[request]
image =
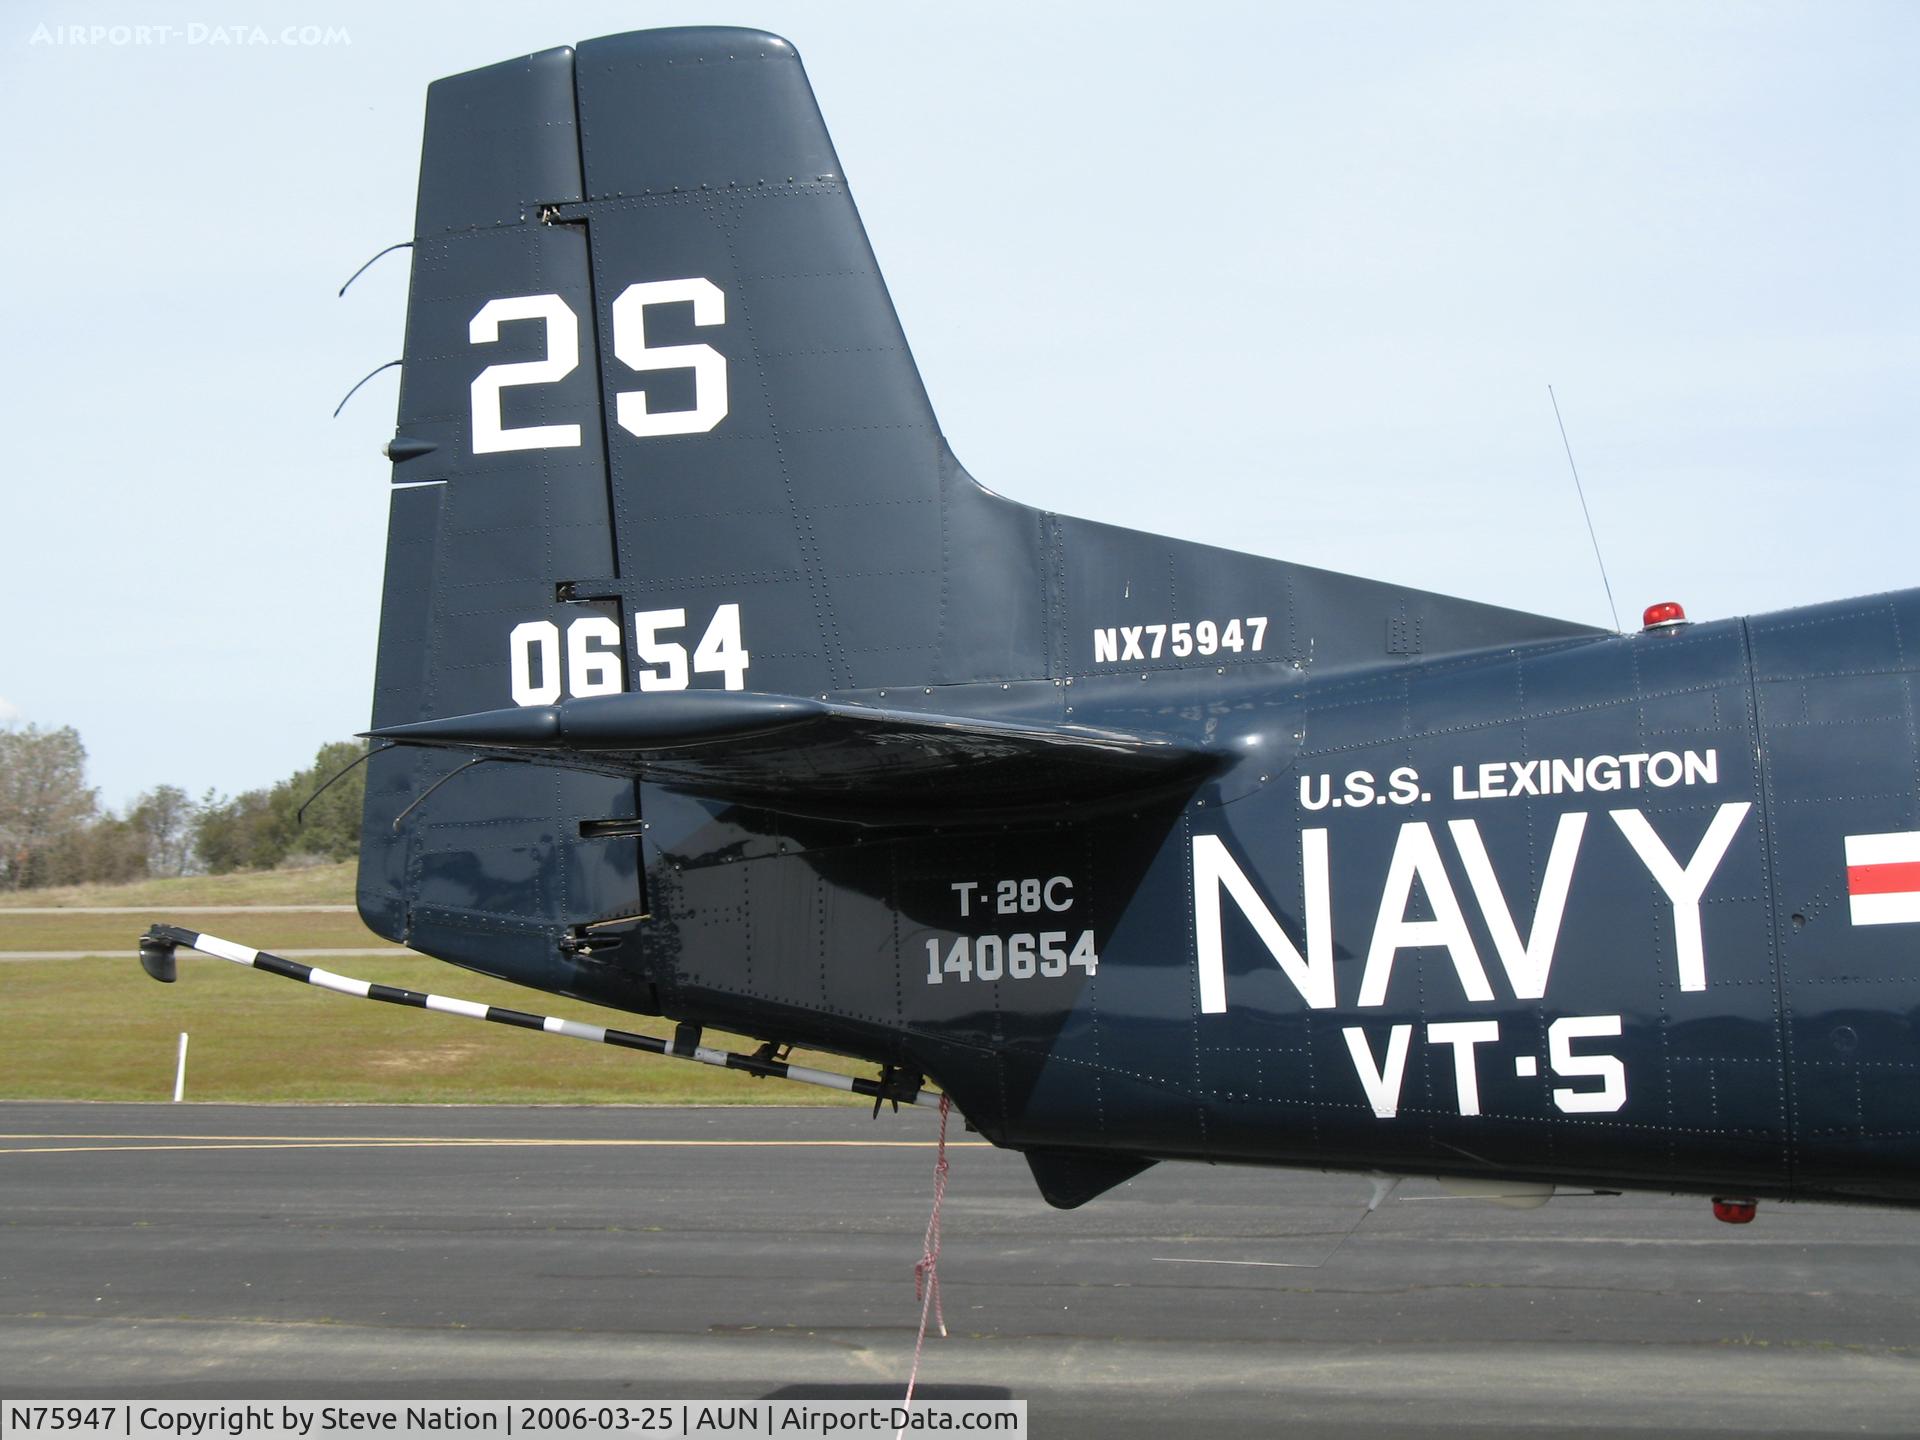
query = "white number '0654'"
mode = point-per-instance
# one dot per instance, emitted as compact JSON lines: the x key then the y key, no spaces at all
{"x":490,"y":432}
{"x":592,"y":663}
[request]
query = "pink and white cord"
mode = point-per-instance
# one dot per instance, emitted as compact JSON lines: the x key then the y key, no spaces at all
{"x":926,"y":1271}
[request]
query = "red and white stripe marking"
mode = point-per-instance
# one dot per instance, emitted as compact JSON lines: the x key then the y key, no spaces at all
{"x":1883,"y":878}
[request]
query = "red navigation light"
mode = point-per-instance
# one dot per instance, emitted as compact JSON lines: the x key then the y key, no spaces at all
{"x":1659,"y":617}
{"x":1734,"y":1212}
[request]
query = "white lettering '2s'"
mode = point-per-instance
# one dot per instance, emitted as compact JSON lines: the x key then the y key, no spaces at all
{"x":490,"y":432}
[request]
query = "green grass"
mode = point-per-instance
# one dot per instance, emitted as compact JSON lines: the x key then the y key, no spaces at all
{"x":312,"y":885}
{"x":99,"y":1029}
{"x":117,"y":934}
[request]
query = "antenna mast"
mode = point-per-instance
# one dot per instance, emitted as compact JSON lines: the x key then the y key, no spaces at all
{"x":1579,"y":490}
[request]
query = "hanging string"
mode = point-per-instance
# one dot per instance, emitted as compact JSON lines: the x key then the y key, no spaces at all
{"x":926,"y":1272}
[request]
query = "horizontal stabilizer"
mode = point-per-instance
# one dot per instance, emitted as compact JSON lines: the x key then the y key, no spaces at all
{"x":794,"y":753}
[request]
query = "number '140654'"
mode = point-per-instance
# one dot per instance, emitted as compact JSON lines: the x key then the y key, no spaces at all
{"x":1010,"y":957}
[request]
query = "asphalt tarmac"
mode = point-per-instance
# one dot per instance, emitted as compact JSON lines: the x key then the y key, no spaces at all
{"x":322,"y":1252}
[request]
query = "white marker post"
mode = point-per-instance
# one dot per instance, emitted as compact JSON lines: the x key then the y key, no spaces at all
{"x":180,"y":1070}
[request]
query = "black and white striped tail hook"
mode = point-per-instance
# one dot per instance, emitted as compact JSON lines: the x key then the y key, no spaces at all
{"x":157,"y":958}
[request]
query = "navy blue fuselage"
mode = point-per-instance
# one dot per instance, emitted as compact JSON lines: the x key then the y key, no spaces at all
{"x":1699,"y":1004}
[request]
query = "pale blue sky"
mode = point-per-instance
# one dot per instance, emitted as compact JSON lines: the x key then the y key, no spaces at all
{"x":1290,"y":278}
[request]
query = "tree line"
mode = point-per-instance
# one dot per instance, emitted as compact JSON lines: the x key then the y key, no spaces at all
{"x":55,"y":831}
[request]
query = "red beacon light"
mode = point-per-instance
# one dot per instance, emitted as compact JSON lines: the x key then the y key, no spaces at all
{"x":1663,"y":616}
{"x":1734,"y":1212}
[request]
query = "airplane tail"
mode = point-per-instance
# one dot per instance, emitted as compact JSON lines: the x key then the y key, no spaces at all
{"x":647,"y":327}
{"x":659,"y":431}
